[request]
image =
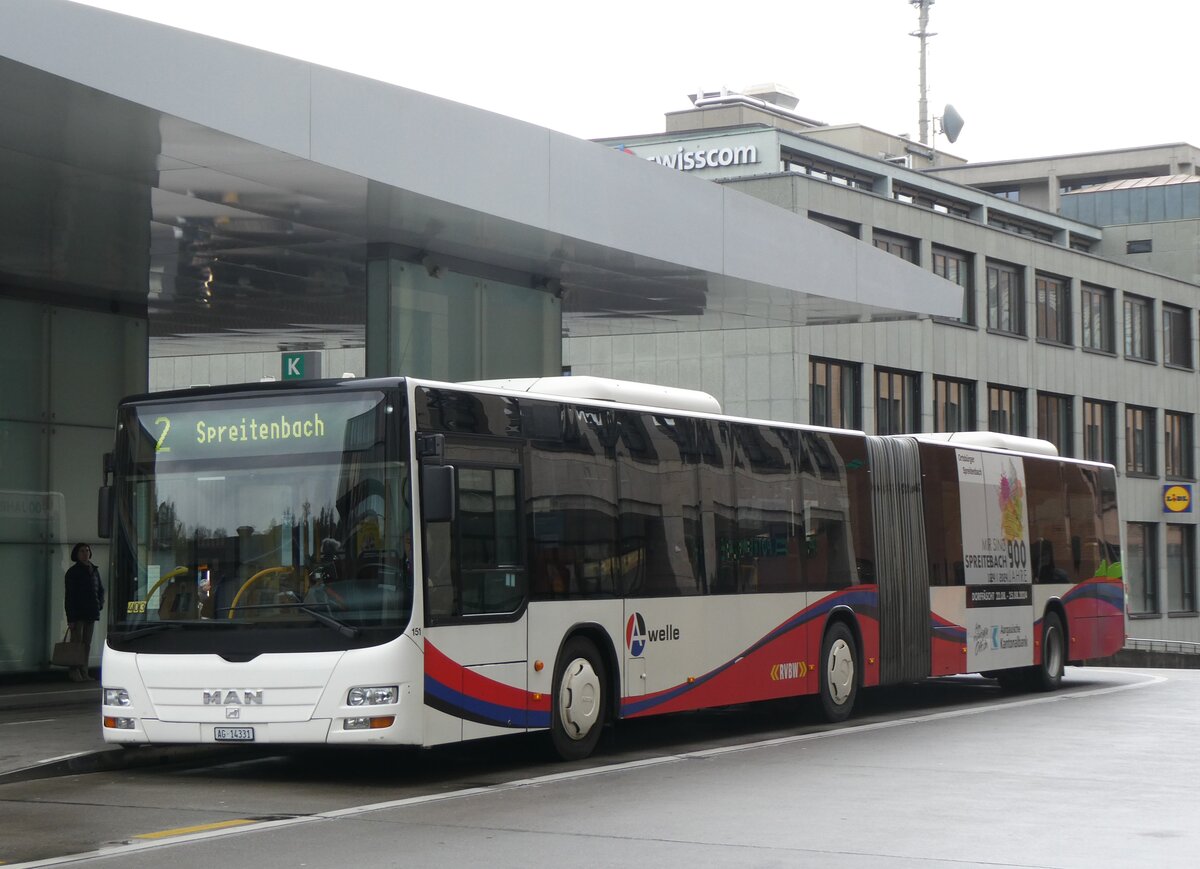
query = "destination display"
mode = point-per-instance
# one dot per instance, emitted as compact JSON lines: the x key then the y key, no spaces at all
{"x":996,"y":565}
{"x":318,"y":424}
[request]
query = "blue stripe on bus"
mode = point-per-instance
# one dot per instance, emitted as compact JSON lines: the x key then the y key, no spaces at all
{"x":475,"y":709}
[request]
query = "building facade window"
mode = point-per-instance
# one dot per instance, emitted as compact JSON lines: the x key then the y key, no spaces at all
{"x":1006,"y":410}
{"x":1006,"y":299}
{"x":896,"y":245}
{"x":897,"y":403}
{"x":1139,"y":441}
{"x":1140,"y":245}
{"x":1178,"y":445}
{"x":835,"y":392}
{"x":1181,"y":572}
{"x":1139,"y":338}
{"x":956,"y":267}
{"x":1177,"y":336}
{"x":1140,"y":563}
{"x":953,"y":404}
{"x":1099,"y":431}
{"x":1054,"y":422}
{"x":1052,"y":300}
{"x":1096,"y":321}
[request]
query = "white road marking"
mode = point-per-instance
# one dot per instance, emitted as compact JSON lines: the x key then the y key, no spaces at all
{"x":125,"y":849}
{"x":66,"y":756}
{"x":34,"y":721}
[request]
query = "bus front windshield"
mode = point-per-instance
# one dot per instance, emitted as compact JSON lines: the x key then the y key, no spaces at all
{"x":282,"y":517}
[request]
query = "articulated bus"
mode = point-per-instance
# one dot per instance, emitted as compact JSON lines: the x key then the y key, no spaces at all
{"x":408,"y":562}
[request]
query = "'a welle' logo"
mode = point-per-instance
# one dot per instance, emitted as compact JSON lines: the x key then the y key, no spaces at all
{"x":637,"y":636}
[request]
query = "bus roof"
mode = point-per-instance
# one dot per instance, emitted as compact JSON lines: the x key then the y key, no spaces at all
{"x":607,"y":389}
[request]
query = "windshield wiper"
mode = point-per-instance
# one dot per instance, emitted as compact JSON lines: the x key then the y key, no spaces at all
{"x":329,"y":621}
{"x":324,"y":618}
{"x":150,"y":629}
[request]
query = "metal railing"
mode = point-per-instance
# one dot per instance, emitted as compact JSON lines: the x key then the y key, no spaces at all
{"x":1148,"y":645}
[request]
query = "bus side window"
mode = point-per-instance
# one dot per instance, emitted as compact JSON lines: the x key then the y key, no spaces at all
{"x":440,"y":593}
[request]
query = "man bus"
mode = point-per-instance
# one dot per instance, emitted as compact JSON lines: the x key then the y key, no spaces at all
{"x":402,"y":561}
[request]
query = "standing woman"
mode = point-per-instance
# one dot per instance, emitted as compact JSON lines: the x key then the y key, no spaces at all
{"x":84,"y":601}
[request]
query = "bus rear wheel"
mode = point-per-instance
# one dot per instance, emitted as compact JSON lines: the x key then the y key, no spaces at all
{"x":1048,"y":674}
{"x":839,"y":672}
{"x":578,"y":706}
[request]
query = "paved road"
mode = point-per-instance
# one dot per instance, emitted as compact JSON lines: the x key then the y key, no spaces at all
{"x":951,"y":773}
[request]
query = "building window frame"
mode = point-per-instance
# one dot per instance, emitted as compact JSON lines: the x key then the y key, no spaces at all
{"x":1181,"y":568}
{"x":908,"y":249}
{"x":1140,"y":562}
{"x":1006,"y":298}
{"x":1139,"y":327}
{"x":1140,"y":459}
{"x":1006,"y":409}
{"x":1052,"y":303}
{"x":1099,"y":431}
{"x":897,"y":401}
{"x":1096,"y":323}
{"x":835,"y":393}
{"x":1178,"y":445}
{"x":958,"y":267}
{"x":953,"y":404}
{"x":1056,"y":421}
{"x":1177,"y":336}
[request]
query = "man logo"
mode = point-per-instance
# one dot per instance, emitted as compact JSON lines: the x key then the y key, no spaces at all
{"x":635,"y":635}
{"x":232,"y":698}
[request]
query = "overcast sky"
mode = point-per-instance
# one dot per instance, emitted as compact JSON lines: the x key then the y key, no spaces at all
{"x":1031,"y":77}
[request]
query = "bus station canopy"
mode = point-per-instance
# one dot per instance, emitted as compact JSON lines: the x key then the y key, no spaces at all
{"x":238,"y":194}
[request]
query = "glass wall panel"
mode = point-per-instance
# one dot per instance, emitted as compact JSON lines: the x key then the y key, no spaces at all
{"x":26,"y":580}
{"x":66,"y":369}
{"x":94,"y":356}
{"x":522,"y":331}
{"x":22,"y":343}
{"x":454,"y":326}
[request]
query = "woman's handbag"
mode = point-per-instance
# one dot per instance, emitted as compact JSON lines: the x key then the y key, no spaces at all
{"x":69,"y":653}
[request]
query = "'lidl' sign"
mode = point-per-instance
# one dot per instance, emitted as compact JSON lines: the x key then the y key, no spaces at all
{"x":1177,"y":498}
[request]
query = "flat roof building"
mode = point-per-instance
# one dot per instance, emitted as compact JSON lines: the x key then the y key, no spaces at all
{"x":1065,"y":333}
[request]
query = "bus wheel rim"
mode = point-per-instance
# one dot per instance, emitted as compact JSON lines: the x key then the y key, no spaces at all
{"x":1054,"y":651}
{"x":579,"y":699}
{"x":839,"y":671}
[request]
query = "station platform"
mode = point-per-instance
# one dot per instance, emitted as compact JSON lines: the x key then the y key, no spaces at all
{"x":48,"y":725}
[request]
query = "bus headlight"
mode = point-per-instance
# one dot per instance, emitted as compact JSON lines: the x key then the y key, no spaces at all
{"x":376,"y":696}
{"x":116,"y":697}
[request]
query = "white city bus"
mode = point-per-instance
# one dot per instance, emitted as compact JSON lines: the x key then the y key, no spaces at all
{"x":409,"y":562}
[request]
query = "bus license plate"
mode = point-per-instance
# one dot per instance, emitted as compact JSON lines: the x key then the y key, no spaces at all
{"x":234,"y":734}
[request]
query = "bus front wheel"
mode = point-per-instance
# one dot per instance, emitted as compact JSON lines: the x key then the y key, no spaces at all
{"x":578,"y":706}
{"x":839,"y":672}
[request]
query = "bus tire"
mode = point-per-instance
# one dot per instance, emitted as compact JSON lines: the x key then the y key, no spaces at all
{"x":1048,"y":674}
{"x":839,"y":672}
{"x":579,"y":703}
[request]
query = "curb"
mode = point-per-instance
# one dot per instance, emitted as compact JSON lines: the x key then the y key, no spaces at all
{"x":116,"y":758}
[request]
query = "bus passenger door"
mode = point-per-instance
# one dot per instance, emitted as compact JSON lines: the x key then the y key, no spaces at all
{"x":475,"y":601}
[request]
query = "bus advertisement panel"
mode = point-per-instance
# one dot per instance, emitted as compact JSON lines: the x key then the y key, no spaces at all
{"x":995,"y":534}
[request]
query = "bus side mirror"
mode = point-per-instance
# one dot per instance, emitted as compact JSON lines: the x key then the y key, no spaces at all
{"x":437,"y":493}
{"x":104,"y":513}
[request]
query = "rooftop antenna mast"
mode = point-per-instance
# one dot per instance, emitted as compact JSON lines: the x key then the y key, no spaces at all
{"x":923,"y":34}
